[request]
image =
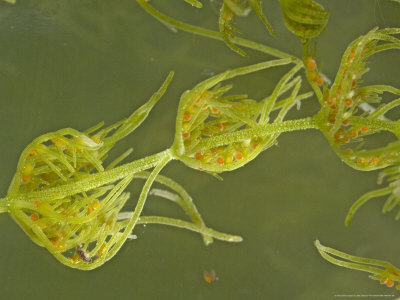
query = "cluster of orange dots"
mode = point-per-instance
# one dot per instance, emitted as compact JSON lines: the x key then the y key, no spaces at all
{"x":26,"y":175}
{"x":222,"y":156}
{"x":333,"y":105}
{"x":190,"y":112}
{"x":375,"y":159}
{"x":28,"y":168}
{"x":55,"y":228}
{"x":365,"y":161}
{"x":311,"y":65}
{"x":349,"y":101}
{"x":343,"y":136}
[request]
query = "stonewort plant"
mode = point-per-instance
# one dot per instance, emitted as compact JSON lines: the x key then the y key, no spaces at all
{"x":67,"y":200}
{"x":351,"y":113}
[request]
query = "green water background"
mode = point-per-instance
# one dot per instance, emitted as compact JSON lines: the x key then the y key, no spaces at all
{"x":75,"y":63}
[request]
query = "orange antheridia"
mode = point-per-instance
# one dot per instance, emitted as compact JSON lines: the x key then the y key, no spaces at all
{"x":25,"y":178}
{"x":311,"y":64}
{"x":238,"y":155}
{"x":374,"y":160}
{"x":348,"y":150}
{"x":360,"y":160}
{"x":34,"y":217}
{"x":187,"y":116}
{"x":330,"y":101}
{"x":59,"y":143}
{"x":55,"y":240}
{"x":320,"y":80}
{"x":215,"y":110}
{"x":33,"y":153}
{"x":198,"y":156}
{"x":389,"y":282}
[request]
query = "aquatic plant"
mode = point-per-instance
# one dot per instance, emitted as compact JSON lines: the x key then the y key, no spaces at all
{"x":351,"y":113}
{"x":67,"y":200}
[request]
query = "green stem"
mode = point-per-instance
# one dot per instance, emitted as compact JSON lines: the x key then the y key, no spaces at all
{"x":259,"y":131}
{"x":386,"y":125}
{"x":93,"y":180}
{"x":311,"y":81}
{"x":3,"y":205}
{"x":170,"y":22}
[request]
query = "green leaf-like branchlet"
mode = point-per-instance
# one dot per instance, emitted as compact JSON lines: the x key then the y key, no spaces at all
{"x":380,"y":270}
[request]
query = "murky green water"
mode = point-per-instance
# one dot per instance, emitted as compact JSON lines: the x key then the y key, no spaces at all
{"x":74,"y":63}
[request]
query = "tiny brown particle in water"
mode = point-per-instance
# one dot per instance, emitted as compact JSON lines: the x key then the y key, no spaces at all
{"x":210,"y":275}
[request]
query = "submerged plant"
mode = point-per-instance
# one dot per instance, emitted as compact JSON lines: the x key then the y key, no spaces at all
{"x":351,"y":113}
{"x":67,"y":200}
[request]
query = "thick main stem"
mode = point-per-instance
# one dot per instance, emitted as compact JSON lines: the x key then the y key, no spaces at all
{"x":92,"y":181}
{"x":259,"y":131}
{"x":3,"y":205}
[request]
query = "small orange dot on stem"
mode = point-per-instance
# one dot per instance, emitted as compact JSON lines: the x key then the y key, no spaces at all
{"x":198,"y":156}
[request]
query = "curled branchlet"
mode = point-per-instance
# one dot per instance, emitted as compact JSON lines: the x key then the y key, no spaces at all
{"x":232,"y":8}
{"x":209,"y":123}
{"x":380,"y":270}
{"x":391,"y":192}
{"x":352,"y":113}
